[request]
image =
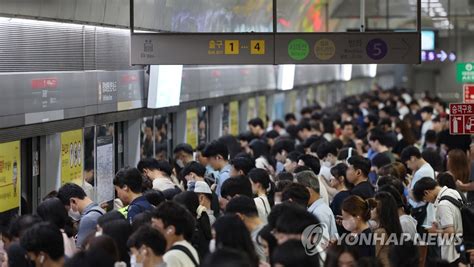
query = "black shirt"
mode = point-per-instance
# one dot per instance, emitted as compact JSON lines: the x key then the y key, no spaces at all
{"x":363,"y":190}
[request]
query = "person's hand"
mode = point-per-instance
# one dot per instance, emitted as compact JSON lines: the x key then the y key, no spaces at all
{"x":213,"y":187}
{"x":459,"y":184}
{"x":470,"y":252}
{"x":339,"y":219}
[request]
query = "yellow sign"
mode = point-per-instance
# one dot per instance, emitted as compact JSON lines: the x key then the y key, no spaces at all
{"x":215,"y":47}
{"x":324,"y":49}
{"x":234,"y":117}
{"x":232,"y":47}
{"x":292,"y":106}
{"x":10,"y":168}
{"x":192,"y":127}
{"x":257,"y":47}
{"x":252,"y":111}
{"x":310,"y":96}
{"x":262,"y":108}
{"x":71,"y":157}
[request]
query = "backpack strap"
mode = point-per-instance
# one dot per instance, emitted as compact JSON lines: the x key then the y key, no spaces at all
{"x":264,"y":206}
{"x":456,"y":202}
{"x":186,"y":251}
{"x":94,"y":210}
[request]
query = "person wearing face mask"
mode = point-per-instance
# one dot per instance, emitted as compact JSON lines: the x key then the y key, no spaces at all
{"x":263,"y":189}
{"x":280,"y":151}
{"x":327,"y":153}
{"x":159,"y":172}
{"x":183,"y":154}
{"x":385,"y":222}
{"x":79,"y":205}
{"x":147,"y":246}
{"x":355,"y":217}
{"x":44,"y":245}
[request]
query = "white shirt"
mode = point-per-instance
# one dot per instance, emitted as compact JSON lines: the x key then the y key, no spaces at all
{"x":427,"y":125}
{"x":326,"y":217}
{"x":162,"y":184}
{"x":323,"y":192}
{"x":177,"y":258}
{"x":424,"y":171}
{"x":447,"y":214}
{"x":408,"y":224}
{"x":263,"y":207}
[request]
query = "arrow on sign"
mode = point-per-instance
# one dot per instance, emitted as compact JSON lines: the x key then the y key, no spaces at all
{"x":442,"y":56}
{"x":406,"y":47}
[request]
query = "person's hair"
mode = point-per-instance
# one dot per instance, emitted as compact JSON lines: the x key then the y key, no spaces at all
{"x":333,"y":254}
{"x":430,"y":136}
{"x":231,"y":232}
{"x":129,"y":177}
{"x":193,"y":167}
{"x":297,"y":193}
{"x":148,"y":163}
{"x":52,"y":210}
{"x":119,"y":231}
{"x":346,"y":123}
{"x":406,"y":131}
{"x":243,"y":205}
{"x":458,"y":165}
{"x":266,"y":234}
{"x":446,"y":179}
{"x":392,"y":190}
{"x":390,"y":170}
{"x":44,"y":237}
{"x":150,"y":237}
{"x":360,"y":163}
{"x":246,"y":136}
{"x":110,"y":216}
{"x":377,"y":134}
{"x":337,"y":143}
{"x":216,"y":148}
{"x":228,"y":257}
{"x":282,"y":184}
{"x":380,"y":160}
{"x":257,"y":122}
{"x":141,"y":219}
{"x":339,"y":170}
{"x":261,"y":176}
{"x":155,"y":197}
{"x":325,"y":149}
{"x":283,"y":145}
{"x":304,"y":124}
{"x":313,"y":142}
{"x":294,"y":156}
{"x":107,"y":244}
{"x":272,"y":134}
{"x":18,"y":225}
{"x":393,"y":181}
{"x":91,"y":258}
{"x":173,"y":214}
{"x":232,"y":144}
{"x":387,"y":213}
{"x":425,"y":183}
{"x":357,"y":206}
{"x":427,"y":109}
{"x":408,"y":152}
{"x":292,"y":254}
{"x":284,"y":176}
{"x":344,"y":153}
{"x":404,"y":255}
{"x":278,"y":123}
{"x":243,"y":164}
{"x":260,"y":148}
{"x":183,"y":147}
{"x":237,"y":185}
{"x":433,"y":158}
{"x":189,"y":200}
{"x":311,"y":162}
{"x":300,"y":168}
{"x":70,"y":190}
{"x":294,"y":220}
{"x":309,"y":180}
{"x":290,"y":116}
{"x":292,"y":131}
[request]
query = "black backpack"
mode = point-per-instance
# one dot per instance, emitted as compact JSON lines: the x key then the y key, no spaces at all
{"x":467,"y":214}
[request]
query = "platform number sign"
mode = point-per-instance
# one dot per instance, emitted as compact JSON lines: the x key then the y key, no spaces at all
{"x":377,"y":49}
{"x":257,"y":47}
{"x":232,"y":47}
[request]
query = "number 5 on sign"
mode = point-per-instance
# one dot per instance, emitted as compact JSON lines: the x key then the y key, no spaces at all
{"x":257,"y":47}
{"x":232,"y":47}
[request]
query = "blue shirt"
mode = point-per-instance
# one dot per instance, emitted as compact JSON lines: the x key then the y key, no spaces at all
{"x":326,"y":217}
{"x":224,"y":174}
{"x":137,"y":206}
{"x":88,"y":222}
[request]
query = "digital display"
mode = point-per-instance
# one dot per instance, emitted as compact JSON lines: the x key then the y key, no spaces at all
{"x":165,"y":86}
{"x":428,"y":40}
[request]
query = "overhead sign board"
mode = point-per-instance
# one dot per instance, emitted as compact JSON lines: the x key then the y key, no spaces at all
{"x":437,"y":56}
{"x":465,"y":72}
{"x":281,"y":48}
{"x":461,"y":119}
{"x":468,"y":93}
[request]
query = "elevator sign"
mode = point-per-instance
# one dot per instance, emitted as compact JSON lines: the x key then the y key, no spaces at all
{"x":275,"y":48}
{"x":465,"y":72}
{"x":461,"y":119}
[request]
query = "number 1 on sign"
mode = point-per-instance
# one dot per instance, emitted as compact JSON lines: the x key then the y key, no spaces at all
{"x":232,"y":47}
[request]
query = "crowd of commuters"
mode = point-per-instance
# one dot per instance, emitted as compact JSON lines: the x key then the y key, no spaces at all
{"x":360,"y":184}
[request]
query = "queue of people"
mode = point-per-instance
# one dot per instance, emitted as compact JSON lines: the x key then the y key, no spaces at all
{"x":374,"y":181}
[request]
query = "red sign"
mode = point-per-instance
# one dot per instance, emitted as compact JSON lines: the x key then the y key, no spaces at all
{"x":461,"y":119}
{"x":39,"y":84}
{"x":468,"y":93}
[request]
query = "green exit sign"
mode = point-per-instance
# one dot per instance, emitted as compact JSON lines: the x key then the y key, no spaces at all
{"x":465,"y":72}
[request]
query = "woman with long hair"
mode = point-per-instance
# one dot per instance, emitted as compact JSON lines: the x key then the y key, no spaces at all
{"x":260,"y":151}
{"x":459,"y":165}
{"x":404,"y":128}
{"x":386,"y":223}
{"x":264,"y":190}
{"x":231,"y":232}
{"x":52,"y":210}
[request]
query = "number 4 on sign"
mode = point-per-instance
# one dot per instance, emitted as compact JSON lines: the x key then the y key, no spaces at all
{"x":257,"y":47}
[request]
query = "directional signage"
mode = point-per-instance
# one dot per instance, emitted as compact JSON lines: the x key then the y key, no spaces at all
{"x":465,"y":72}
{"x":468,"y":93}
{"x":461,"y":119}
{"x":437,"y":56}
{"x":281,"y":48}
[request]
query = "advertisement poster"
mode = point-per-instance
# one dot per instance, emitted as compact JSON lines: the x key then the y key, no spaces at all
{"x":225,"y":120}
{"x":252,"y":112}
{"x":292,"y":104}
{"x":71,"y":157}
{"x":192,"y":127}
{"x":10,"y":176}
{"x":202,"y":125}
{"x":262,"y":108}
{"x":234,"y":117}
{"x":105,"y":168}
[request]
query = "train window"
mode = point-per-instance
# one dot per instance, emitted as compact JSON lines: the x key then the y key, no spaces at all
{"x":105,"y":170}
{"x":161,"y":137}
{"x":147,"y":138}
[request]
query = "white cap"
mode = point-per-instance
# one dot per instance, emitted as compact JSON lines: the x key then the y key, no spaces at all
{"x":202,"y":187}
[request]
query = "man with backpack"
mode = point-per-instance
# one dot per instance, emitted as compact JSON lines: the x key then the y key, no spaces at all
{"x":449,"y":220}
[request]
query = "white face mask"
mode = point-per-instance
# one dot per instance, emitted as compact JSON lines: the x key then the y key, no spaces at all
{"x":134,"y":263}
{"x":373,"y":224}
{"x":212,"y":245}
{"x":180,"y":163}
{"x":98,"y":233}
{"x":327,"y":163}
{"x":75,"y":215}
{"x":350,"y":224}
